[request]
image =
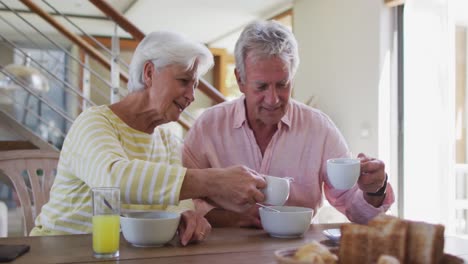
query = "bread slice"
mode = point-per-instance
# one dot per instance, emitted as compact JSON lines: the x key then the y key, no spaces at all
{"x":316,"y":253}
{"x":407,"y":241}
{"x":354,"y":244}
{"x":391,"y":238}
{"x":386,"y":259}
{"x":425,"y":243}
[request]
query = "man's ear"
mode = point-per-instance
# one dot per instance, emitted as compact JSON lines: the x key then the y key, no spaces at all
{"x":148,"y":69}
{"x":239,"y":80}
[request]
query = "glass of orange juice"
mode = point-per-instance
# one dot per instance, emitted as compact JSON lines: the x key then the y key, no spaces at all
{"x":106,"y":222}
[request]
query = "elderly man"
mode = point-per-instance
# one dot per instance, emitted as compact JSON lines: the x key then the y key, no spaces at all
{"x":273,"y":134}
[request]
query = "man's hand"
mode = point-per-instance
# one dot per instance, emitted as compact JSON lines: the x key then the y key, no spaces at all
{"x":372,"y":178}
{"x":222,"y":218}
{"x":250,"y":218}
{"x":193,"y":227}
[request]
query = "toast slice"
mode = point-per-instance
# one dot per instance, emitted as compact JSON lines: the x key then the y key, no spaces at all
{"x":425,"y":243}
{"x":391,"y":238}
{"x":386,"y":259}
{"x":354,"y":244}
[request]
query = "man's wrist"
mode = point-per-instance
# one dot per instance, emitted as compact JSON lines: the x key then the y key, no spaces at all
{"x":382,"y":191}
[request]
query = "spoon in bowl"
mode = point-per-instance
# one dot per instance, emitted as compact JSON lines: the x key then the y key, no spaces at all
{"x":267,"y":207}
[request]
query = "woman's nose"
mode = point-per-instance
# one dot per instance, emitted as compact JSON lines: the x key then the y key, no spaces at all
{"x":190,"y":94}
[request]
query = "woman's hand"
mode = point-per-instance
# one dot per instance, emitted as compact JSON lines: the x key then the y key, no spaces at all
{"x":236,"y":188}
{"x":193,"y":227}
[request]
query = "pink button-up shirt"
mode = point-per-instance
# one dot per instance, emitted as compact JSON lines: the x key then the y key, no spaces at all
{"x":305,"y":139}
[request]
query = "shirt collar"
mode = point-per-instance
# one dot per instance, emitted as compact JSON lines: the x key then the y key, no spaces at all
{"x":240,"y":116}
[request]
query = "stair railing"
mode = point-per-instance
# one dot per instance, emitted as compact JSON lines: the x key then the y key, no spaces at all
{"x":60,"y":47}
{"x":89,"y":50}
{"x":137,"y":34}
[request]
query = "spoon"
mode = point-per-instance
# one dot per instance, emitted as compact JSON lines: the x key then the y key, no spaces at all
{"x":112,"y":209}
{"x":267,"y":207}
{"x":108,"y":204}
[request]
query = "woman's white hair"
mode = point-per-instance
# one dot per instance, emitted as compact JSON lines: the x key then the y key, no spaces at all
{"x":166,"y":48}
{"x":265,"y":39}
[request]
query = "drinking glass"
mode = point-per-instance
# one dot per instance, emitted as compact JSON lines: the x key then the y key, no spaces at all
{"x":106,"y":222}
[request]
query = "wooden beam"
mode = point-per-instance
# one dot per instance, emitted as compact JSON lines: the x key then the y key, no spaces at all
{"x":393,"y":3}
{"x":282,"y":15}
{"x":119,"y":19}
{"x":219,"y":69}
{"x":211,"y":92}
{"x":115,"y":15}
{"x":16,"y":144}
{"x":71,"y":36}
{"x":125,"y":44}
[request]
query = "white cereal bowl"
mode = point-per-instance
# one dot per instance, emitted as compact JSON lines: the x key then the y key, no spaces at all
{"x":149,"y":229}
{"x":290,"y":222}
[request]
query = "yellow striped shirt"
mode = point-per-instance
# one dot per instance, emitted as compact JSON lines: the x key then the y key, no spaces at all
{"x":101,"y":150}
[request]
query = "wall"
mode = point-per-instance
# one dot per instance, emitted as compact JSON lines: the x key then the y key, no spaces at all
{"x":340,"y":50}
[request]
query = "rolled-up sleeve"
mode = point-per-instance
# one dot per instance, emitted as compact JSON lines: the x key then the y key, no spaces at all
{"x":349,"y":202}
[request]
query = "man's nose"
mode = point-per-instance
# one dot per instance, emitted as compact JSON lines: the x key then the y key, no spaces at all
{"x":272,"y":96}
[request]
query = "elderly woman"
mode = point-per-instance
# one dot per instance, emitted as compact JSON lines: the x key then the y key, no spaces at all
{"x":124,"y":145}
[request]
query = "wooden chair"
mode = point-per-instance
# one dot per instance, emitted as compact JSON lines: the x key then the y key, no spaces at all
{"x":31,"y":173}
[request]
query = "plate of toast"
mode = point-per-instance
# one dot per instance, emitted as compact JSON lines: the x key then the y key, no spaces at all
{"x":384,"y":240}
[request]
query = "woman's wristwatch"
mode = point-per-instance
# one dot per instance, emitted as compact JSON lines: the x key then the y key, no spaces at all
{"x":382,"y":190}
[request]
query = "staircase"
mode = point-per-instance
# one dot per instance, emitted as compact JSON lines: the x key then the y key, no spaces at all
{"x":77,"y":72}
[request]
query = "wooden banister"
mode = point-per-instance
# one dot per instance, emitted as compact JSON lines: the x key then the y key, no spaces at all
{"x":119,"y":19}
{"x":211,"y":92}
{"x":115,"y":15}
{"x":128,"y":26}
{"x":71,"y":36}
{"x":183,"y":123}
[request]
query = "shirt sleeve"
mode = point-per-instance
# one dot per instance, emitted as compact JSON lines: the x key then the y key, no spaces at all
{"x":349,"y":202}
{"x":97,"y":157}
{"x":184,"y":205}
{"x":192,"y":155}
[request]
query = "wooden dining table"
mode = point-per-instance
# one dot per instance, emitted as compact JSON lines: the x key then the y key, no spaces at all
{"x":224,"y":245}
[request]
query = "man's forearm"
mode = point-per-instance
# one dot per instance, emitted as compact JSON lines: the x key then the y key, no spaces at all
{"x":222,"y":218}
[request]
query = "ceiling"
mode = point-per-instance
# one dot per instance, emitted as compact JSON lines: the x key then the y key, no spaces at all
{"x":214,"y":22}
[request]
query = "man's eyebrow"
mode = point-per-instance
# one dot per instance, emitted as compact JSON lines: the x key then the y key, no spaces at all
{"x":258,"y":82}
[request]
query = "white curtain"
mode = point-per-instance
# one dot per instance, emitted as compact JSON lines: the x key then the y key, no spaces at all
{"x":429,"y":112}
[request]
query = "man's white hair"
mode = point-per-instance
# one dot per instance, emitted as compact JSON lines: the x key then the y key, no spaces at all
{"x":166,"y":48}
{"x":266,"y":39}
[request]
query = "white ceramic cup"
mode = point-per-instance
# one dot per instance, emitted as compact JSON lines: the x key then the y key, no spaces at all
{"x":277,"y":190}
{"x":343,"y":173}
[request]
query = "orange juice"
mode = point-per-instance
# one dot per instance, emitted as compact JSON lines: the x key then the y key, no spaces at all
{"x":106,"y":233}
